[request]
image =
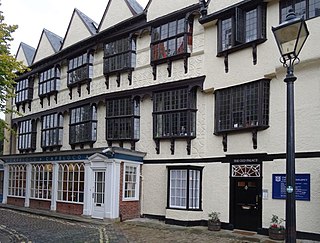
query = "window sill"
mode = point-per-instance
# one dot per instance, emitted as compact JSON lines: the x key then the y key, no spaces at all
{"x":53,"y":92}
{"x":240,"y":47}
{"x":174,"y":137}
{"x":83,"y":81}
{"x":184,"y":209}
{"x":171,"y":58}
{"x":122,"y":70}
{"x":241,"y":129}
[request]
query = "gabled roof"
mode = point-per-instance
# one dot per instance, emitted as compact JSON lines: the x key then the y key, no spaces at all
{"x":133,"y":7}
{"x":28,"y":52}
{"x":136,"y":7}
{"x":48,"y":45}
{"x":86,"y":28}
{"x":54,"y":40}
{"x":90,"y":24}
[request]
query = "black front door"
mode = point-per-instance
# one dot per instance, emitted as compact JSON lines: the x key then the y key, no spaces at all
{"x":247,"y":209}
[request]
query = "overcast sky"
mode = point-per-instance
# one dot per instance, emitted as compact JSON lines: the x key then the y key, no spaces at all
{"x":32,"y":16}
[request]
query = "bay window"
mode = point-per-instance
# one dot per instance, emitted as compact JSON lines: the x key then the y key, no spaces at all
{"x":52,"y":131}
{"x":302,"y":8}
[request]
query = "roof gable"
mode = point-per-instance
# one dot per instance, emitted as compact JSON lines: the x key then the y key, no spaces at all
{"x":25,"y":54}
{"x":49,"y":44}
{"x":157,"y":8}
{"x":80,"y":27}
{"x":111,"y":16}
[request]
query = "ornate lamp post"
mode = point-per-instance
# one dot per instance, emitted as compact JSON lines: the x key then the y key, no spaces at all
{"x":290,"y":37}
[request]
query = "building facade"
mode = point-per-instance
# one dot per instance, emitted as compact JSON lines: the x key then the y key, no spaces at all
{"x":169,"y":112}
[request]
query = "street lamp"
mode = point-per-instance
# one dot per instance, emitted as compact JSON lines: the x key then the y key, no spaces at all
{"x":290,"y":37}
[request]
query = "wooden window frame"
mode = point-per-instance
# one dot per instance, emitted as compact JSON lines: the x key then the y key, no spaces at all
{"x":286,"y":5}
{"x":27,"y":136}
{"x":89,"y":124}
{"x":121,"y":109}
{"x":238,"y":99}
{"x":41,"y":181}
{"x":52,"y":130}
{"x":187,"y":169}
{"x":71,"y":178}
{"x":17,"y":180}
{"x":237,"y":37}
{"x":166,"y":112}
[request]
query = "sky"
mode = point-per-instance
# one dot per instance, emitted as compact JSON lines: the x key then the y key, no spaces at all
{"x":32,"y":16}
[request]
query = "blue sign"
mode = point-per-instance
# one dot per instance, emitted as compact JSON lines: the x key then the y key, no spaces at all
{"x":302,"y":186}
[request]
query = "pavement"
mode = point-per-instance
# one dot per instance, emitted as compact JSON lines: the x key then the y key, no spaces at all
{"x":136,"y":230}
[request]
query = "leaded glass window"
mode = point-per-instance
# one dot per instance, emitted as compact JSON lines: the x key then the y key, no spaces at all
{"x":52,"y":131}
{"x":243,"y":106}
{"x":243,"y":25}
{"x":174,"y":113}
{"x":123,"y":119}
{"x":49,"y":81}
{"x":131,"y":182}
{"x":302,"y":8}
{"x":24,"y":91}
{"x":27,"y":136}
{"x":119,"y":55}
{"x":171,"y":39}
{"x":83,"y":125}
{"x":80,"y":68}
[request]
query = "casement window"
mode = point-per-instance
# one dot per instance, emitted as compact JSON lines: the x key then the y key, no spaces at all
{"x":52,"y":131}
{"x":49,"y":81}
{"x":119,"y":55}
{"x":242,"y":107}
{"x":123,"y":119}
{"x":17,"y":180}
{"x":185,"y":185}
{"x":24,"y":91}
{"x":171,"y":41}
{"x":302,"y":8}
{"x":174,"y":113}
{"x":80,"y":69}
{"x":83,"y":125}
{"x":242,"y":25}
{"x":131,"y":182}
{"x":71,"y":182}
{"x":41,"y":181}
{"x":27,"y":136}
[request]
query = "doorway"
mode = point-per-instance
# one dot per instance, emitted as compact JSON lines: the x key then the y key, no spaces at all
{"x":246,"y":200}
{"x":99,"y":194}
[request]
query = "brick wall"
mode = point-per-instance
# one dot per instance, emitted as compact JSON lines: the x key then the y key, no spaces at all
{"x":16,"y":201}
{"x":70,"y":208}
{"x":40,"y":204}
{"x":128,"y":209}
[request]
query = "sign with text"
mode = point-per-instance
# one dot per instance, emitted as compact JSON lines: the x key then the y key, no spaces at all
{"x":302,"y":186}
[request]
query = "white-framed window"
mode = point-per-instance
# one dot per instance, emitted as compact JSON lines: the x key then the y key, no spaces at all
{"x":41,"y":181}
{"x":71,"y":182}
{"x":17,"y":180}
{"x":131,"y":181}
{"x":185,"y":187}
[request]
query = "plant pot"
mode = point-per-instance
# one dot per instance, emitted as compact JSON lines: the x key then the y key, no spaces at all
{"x":214,"y":225}
{"x":277,"y":234}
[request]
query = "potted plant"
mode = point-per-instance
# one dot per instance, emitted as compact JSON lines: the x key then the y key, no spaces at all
{"x":214,"y":223}
{"x":276,"y":230}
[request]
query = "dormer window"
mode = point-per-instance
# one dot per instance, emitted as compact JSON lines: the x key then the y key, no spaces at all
{"x":171,"y":41}
{"x":80,"y":71}
{"x":49,"y":83}
{"x":24,"y":93}
{"x":119,"y":56}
